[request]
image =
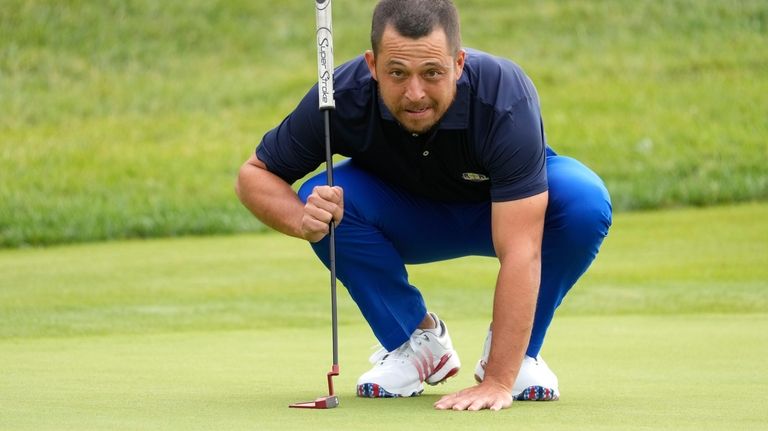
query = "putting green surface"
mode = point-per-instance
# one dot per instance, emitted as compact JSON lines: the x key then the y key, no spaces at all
{"x":668,"y":330}
{"x":621,"y":372}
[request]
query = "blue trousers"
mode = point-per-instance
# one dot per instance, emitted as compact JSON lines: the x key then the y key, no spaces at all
{"x":385,"y":227}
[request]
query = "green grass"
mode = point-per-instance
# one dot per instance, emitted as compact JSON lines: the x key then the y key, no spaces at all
{"x":684,"y":261}
{"x":699,"y":372}
{"x":129,"y":119}
{"x":668,"y":330}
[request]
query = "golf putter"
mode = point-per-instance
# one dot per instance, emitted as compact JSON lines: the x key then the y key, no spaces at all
{"x":327,"y":104}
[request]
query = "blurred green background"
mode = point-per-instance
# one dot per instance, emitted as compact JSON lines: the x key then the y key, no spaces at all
{"x":123,"y":119}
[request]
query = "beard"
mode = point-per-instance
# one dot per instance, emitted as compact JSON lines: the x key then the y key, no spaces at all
{"x":406,"y":113}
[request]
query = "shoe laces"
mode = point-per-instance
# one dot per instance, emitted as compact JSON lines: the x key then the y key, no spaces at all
{"x":401,"y":353}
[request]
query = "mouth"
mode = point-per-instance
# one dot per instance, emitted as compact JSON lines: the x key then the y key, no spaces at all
{"x":418,"y":112}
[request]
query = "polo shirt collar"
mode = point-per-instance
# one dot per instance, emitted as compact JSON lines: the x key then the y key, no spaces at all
{"x":457,"y":115}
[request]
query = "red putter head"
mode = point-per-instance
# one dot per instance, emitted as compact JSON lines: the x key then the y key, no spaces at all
{"x":328,"y":402}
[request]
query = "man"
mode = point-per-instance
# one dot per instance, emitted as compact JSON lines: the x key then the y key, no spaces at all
{"x":447,"y":158}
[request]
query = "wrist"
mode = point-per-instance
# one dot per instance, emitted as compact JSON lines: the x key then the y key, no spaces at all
{"x":501,"y":383}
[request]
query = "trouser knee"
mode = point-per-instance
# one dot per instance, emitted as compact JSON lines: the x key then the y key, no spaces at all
{"x":579,"y":204}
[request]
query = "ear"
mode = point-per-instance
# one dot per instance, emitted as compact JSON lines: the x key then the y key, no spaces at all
{"x":461,"y":57}
{"x":370,"y":60}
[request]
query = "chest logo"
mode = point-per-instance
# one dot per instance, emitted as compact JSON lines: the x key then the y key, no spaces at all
{"x":471,"y":176}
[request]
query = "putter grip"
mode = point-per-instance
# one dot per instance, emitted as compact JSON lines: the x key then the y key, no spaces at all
{"x":324,"y":54}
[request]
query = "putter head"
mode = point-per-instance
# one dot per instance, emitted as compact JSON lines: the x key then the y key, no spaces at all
{"x":328,"y":402}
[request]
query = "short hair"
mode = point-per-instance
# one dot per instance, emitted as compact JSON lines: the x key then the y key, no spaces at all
{"x":415,"y":19}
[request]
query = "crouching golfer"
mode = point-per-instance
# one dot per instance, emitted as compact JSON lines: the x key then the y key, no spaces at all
{"x":447,"y":158}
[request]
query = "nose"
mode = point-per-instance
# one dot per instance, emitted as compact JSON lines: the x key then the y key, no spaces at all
{"x":414,"y":89}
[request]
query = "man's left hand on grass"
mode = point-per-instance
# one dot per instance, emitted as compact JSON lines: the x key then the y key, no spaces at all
{"x":486,"y":395}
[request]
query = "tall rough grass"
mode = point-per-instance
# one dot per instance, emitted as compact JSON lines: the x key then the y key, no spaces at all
{"x":130,"y":118}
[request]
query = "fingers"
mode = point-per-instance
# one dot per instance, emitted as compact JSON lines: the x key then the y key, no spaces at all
{"x":499,"y":404}
{"x":475,"y":398}
{"x":446,"y":402}
{"x":324,"y":205}
{"x":463,"y":403}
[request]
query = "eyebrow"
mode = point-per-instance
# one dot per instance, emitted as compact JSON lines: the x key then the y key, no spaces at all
{"x":396,"y":62}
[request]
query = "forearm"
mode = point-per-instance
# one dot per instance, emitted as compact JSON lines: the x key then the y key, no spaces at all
{"x":517,"y":234}
{"x":514,"y":306}
{"x":269,"y":198}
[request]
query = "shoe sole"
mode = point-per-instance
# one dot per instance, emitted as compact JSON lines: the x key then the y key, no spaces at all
{"x":537,"y":393}
{"x":373,"y":390}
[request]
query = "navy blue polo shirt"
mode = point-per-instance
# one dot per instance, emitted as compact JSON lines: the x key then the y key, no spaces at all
{"x":489,"y":145}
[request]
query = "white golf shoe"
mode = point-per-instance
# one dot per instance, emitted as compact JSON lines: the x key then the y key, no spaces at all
{"x":428,"y":356}
{"x":535,"y":381}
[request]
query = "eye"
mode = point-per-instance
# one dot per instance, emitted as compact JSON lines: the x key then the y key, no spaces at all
{"x":433,"y":74}
{"x":397,"y":74}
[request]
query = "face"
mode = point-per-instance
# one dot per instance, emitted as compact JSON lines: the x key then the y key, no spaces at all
{"x":416,"y":77}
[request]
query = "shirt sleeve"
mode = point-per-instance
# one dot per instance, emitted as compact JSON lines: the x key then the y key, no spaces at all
{"x":516,"y":153}
{"x":296,"y":146}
